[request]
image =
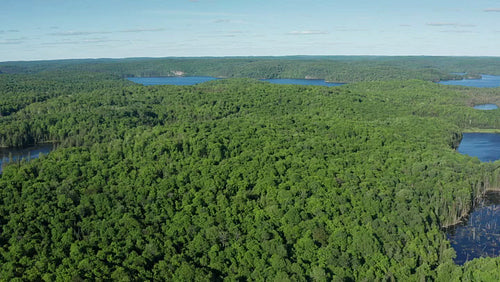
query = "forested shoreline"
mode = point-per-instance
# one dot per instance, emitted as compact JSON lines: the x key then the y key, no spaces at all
{"x":237,"y":179}
{"x":343,"y":69}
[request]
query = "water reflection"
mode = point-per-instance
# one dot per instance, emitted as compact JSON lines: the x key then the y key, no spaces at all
{"x":14,"y":154}
{"x":479,"y":235}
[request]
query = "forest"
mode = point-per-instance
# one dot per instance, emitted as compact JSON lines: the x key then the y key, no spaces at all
{"x":342,"y":69}
{"x":238,"y":179}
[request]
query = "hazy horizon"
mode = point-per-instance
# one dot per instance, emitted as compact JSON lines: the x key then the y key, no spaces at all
{"x":237,"y":57}
{"x":54,"y":29}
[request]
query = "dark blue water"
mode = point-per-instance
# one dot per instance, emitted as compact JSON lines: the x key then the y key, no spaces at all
{"x":171,"y":80}
{"x":485,"y":81}
{"x":485,"y":146}
{"x":479,"y":235}
{"x":316,"y":82}
{"x":15,"y":154}
{"x":486,"y":107}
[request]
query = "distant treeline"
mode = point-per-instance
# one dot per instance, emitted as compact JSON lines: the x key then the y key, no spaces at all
{"x":237,"y":179}
{"x":330,"y":68}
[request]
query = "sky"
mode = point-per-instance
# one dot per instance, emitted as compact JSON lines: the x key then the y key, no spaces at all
{"x":71,"y":29}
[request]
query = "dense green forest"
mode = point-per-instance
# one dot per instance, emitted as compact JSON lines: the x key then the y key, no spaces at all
{"x":238,"y":179}
{"x":331,"y":68}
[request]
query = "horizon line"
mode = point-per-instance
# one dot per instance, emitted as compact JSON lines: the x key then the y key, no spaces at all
{"x":240,"y":56}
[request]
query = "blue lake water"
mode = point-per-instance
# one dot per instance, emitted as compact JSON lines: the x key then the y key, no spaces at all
{"x":15,"y":154}
{"x":485,"y":146}
{"x":486,"y":107}
{"x":171,"y":80}
{"x":316,"y":82}
{"x":479,"y":234}
{"x":192,"y":80}
{"x":485,"y":81}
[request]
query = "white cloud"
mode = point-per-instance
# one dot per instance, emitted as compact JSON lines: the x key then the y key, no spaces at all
{"x":221,"y":21}
{"x":307,"y":32}
{"x":228,"y":21}
{"x":442,"y":24}
{"x":143,"y":30}
{"x":78,"y":33}
{"x":457,"y":31}
{"x":11,"y":41}
{"x":84,"y":41}
{"x":10,"y":31}
{"x":450,"y":24}
{"x":188,"y":13}
{"x":347,"y":29}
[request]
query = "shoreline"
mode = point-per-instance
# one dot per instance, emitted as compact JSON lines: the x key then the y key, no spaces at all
{"x":476,"y":200}
{"x":481,"y":130}
{"x":28,"y":146}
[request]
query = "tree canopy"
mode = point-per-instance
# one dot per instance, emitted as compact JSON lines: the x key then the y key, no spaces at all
{"x":238,"y":179}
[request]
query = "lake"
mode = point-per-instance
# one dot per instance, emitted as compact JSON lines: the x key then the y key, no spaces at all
{"x":171,"y":80}
{"x":486,"y":107}
{"x":316,"y":82}
{"x":24,"y":153}
{"x":479,"y":235}
{"x":485,"y":146}
{"x":192,"y":80}
{"x":485,"y":81}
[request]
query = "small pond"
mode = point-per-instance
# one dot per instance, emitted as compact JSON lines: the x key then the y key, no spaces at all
{"x":486,"y":107}
{"x":316,"y":82}
{"x":171,"y":80}
{"x":484,"y":81}
{"x":14,"y":154}
{"x":479,"y":234}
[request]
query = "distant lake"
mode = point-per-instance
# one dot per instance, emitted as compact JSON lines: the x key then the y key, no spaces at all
{"x":485,"y":146}
{"x":192,"y":80}
{"x":171,"y":80}
{"x":24,"y":153}
{"x":485,"y":81}
{"x":486,"y":107}
{"x":317,"y":82}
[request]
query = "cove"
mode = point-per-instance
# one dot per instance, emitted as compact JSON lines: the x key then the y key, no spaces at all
{"x":14,"y":154}
{"x":485,"y":146}
{"x":484,"y":81}
{"x":290,"y":81}
{"x":171,"y":80}
{"x":479,"y":234}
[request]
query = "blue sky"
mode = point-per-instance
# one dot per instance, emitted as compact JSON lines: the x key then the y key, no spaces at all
{"x":57,"y":29}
